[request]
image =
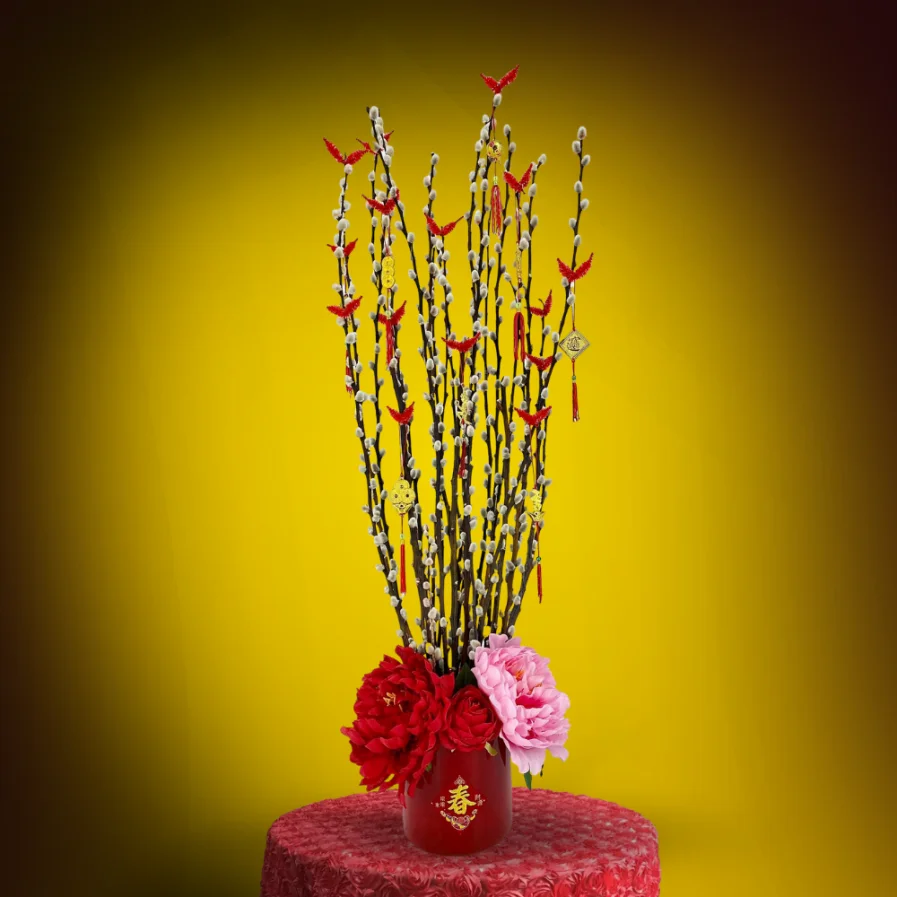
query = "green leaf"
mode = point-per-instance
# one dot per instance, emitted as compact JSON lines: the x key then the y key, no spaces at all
{"x":491,"y":751}
{"x":528,"y":778}
{"x":464,"y":677}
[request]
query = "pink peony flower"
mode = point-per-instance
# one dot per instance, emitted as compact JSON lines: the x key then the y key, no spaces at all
{"x":521,"y":689}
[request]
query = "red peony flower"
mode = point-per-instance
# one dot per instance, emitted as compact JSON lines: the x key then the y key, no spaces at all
{"x":400,"y":709}
{"x":471,"y":723}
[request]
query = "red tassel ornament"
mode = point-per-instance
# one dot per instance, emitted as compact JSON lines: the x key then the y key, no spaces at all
{"x":391,"y":322}
{"x":575,"y":395}
{"x":519,"y":336}
{"x":402,"y":588}
{"x":495,"y":204}
{"x":539,"y":577}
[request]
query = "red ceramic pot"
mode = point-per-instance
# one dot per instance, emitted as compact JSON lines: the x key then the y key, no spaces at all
{"x":464,"y":804}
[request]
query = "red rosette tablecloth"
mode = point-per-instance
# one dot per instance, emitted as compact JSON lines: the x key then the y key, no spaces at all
{"x":561,"y":845}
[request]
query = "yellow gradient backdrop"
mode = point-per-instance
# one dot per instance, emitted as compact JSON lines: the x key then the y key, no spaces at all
{"x":716,"y":601}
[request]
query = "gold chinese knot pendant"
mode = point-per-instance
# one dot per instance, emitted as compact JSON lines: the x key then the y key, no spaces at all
{"x":574,"y":344}
{"x":402,"y":496}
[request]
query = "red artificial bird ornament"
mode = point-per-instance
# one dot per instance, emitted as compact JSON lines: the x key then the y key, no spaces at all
{"x":538,"y":362}
{"x":536,"y":418}
{"x":501,"y":83}
{"x":403,"y":418}
{"x":369,"y":148}
{"x":519,"y":186}
{"x":438,"y":231}
{"x":341,"y":157}
{"x":387,"y":207}
{"x":545,"y":309}
{"x":345,"y":311}
{"x":347,"y":250}
{"x":391,"y":322}
{"x":571,"y":275}
{"x":463,"y":347}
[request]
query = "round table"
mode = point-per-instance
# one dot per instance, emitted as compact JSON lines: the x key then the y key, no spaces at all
{"x":561,"y":845}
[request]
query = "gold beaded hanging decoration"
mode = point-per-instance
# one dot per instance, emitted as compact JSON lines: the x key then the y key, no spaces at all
{"x":538,"y":516}
{"x":402,"y":494}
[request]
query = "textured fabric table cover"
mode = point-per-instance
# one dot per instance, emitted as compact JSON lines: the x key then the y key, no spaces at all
{"x":561,"y":845}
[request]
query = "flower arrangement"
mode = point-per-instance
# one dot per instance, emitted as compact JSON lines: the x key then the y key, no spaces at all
{"x":461,"y":680}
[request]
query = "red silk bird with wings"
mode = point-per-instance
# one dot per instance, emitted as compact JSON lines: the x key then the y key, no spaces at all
{"x":387,"y":207}
{"x":369,"y":148}
{"x":403,"y":418}
{"x":519,"y":186}
{"x":501,"y":83}
{"x":545,"y":309}
{"x":345,"y":311}
{"x":438,"y":231}
{"x":571,"y":275}
{"x":543,"y":364}
{"x":347,"y":250}
{"x":341,"y":157}
{"x":463,"y":346}
{"x":533,"y":420}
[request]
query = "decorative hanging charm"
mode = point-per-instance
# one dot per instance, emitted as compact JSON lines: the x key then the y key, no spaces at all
{"x":493,"y":153}
{"x":538,"y":517}
{"x":493,"y":147}
{"x":519,"y":330}
{"x":391,"y":322}
{"x":402,"y":495}
{"x":463,"y":423}
{"x":574,"y":343}
{"x":388,"y":272}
